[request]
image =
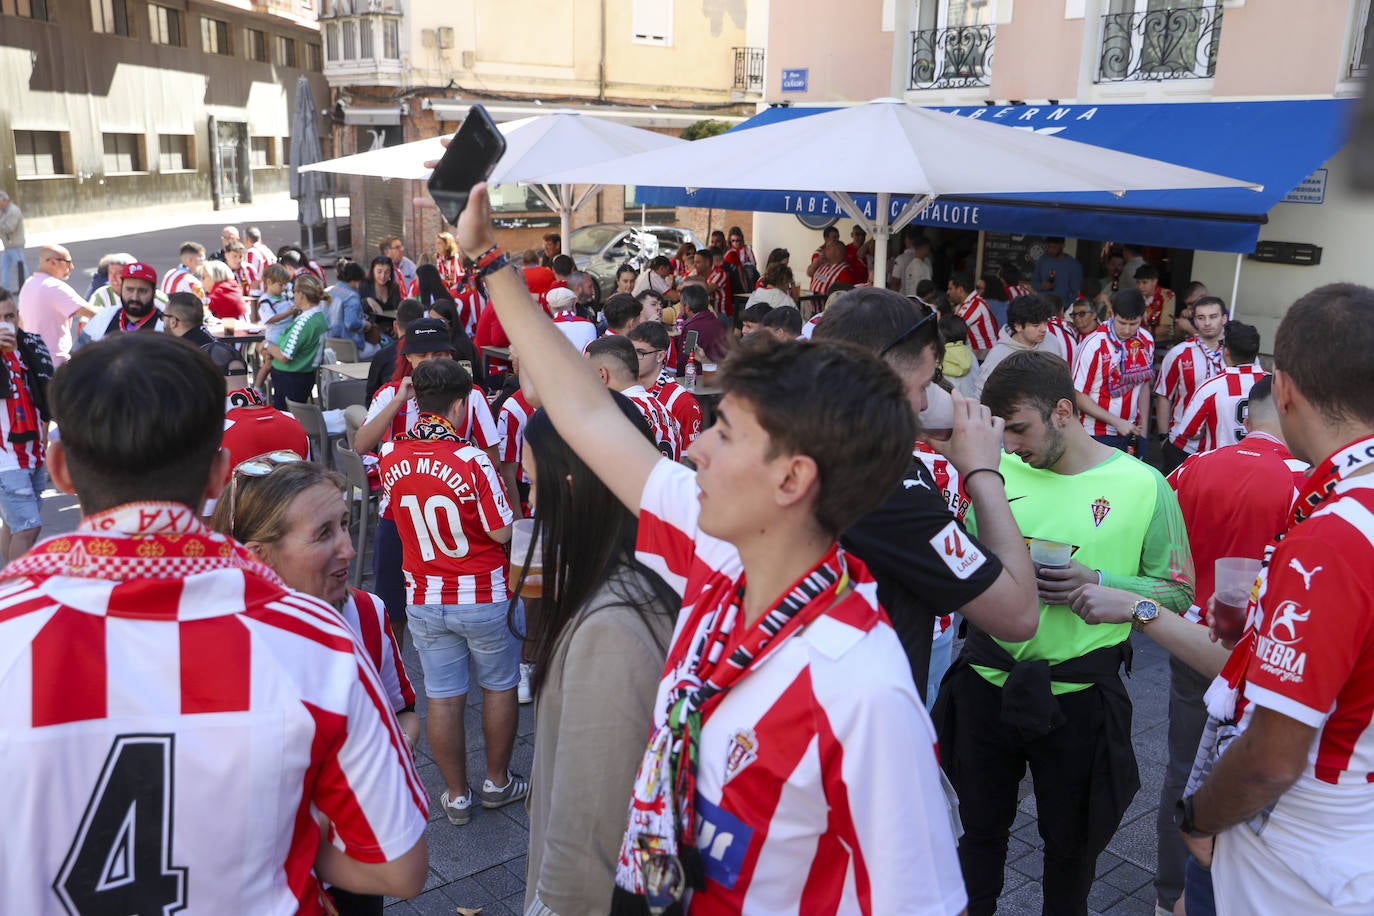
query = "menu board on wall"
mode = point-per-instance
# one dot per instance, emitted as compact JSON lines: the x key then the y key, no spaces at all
{"x":1022,"y":250}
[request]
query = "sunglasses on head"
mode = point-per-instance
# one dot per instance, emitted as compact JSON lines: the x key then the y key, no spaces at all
{"x":257,"y":467}
{"x":907,"y":334}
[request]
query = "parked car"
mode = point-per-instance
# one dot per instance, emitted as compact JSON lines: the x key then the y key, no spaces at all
{"x":600,"y":249}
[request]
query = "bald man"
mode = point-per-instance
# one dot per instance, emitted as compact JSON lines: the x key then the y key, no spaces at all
{"x":47,"y":303}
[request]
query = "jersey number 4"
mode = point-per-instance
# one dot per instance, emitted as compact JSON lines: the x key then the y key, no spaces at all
{"x":121,"y":858}
{"x":431,"y":531}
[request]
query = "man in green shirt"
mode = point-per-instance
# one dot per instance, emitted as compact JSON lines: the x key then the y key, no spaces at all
{"x":1056,"y":701}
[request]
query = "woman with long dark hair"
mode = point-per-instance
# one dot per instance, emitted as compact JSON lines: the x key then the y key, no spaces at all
{"x":995,"y":292}
{"x":380,"y":286}
{"x":598,"y":647}
{"x":429,"y":285}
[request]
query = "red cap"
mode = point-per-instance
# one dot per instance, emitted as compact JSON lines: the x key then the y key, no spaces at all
{"x":140,"y":271}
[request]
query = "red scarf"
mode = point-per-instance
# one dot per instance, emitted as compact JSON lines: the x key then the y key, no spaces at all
{"x":659,"y":859}
{"x":147,"y":540}
{"x":23,"y":417}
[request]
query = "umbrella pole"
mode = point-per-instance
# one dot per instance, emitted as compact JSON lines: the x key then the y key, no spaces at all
{"x":882,"y":232}
{"x":1235,"y":286}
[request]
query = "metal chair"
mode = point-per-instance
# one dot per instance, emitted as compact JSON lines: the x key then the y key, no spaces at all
{"x":359,"y":497}
{"x":321,"y":439}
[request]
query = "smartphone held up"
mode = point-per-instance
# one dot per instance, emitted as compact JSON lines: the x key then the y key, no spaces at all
{"x":470,"y":159}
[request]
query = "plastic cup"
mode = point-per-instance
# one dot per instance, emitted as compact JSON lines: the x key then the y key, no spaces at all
{"x":229,"y":325}
{"x":1235,"y":579}
{"x":8,"y":328}
{"x":937,"y":420}
{"x":1047,"y":554}
{"x":522,"y":532}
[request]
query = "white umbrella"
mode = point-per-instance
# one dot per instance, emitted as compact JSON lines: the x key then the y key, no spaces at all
{"x":534,"y":147}
{"x":888,"y":147}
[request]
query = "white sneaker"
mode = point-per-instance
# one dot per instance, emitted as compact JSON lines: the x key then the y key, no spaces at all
{"x":458,"y":812}
{"x":522,"y":693}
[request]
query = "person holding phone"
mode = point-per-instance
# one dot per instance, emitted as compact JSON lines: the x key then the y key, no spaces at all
{"x":711,"y":337}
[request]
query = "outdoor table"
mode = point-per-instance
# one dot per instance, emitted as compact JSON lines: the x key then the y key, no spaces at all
{"x":240,"y":337}
{"x":490,"y":353}
{"x":349,"y":370}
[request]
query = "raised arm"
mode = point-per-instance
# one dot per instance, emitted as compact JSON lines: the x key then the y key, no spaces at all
{"x":577,"y":402}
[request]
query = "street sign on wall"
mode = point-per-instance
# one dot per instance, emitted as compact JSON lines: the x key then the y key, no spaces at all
{"x":796,"y":80}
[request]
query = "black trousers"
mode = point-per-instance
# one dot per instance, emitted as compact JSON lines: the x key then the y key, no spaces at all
{"x":293,"y":385}
{"x":987,"y":759}
{"x":388,"y":581}
{"x":1172,"y":457}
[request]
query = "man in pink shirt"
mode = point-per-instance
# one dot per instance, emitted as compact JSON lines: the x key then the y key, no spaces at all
{"x":47,"y":303}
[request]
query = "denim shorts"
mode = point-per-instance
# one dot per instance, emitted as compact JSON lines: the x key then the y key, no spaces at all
{"x":21,"y":493}
{"x":446,"y":635}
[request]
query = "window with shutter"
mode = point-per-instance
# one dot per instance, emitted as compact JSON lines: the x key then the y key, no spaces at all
{"x":652,"y":22}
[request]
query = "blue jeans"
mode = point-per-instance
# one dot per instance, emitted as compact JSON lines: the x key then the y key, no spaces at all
{"x":9,"y":259}
{"x":941,"y":654}
{"x":1198,"y":899}
{"x":448,"y":636}
{"x":21,"y":498}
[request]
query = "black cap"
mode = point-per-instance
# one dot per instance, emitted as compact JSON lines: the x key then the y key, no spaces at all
{"x":426,"y":335}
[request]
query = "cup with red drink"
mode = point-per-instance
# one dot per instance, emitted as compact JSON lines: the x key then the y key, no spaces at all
{"x":1235,"y":580}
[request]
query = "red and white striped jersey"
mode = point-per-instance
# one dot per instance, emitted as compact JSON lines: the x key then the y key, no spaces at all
{"x":827,"y":275}
{"x":254,"y":262}
{"x":1186,"y":366}
{"x":1060,"y":340}
{"x":248,"y":276}
{"x":365,"y":614}
{"x":479,"y":426}
{"x":1110,"y":371}
{"x":1313,"y":659}
{"x":982,"y":324}
{"x":181,"y":280}
{"x":515,"y":414}
{"x":664,"y":426}
{"x":1261,"y":468}
{"x":810,"y":327}
{"x":577,"y":329}
{"x":261,"y":255}
{"x":721,"y":298}
{"x":1018,"y":290}
{"x":447,"y":496}
{"x":172,"y":736}
{"x":17,"y":414}
{"x":684,"y":407}
{"x":1215,"y":414}
{"x":797,"y":810}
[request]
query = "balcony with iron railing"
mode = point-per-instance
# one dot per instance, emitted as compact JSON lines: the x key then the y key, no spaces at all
{"x":362,"y":50}
{"x":748,"y":69}
{"x":954,"y":58}
{"x":1168,"y":44}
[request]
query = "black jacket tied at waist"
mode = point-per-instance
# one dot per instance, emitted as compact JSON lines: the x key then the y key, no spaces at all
{"x":1029,"y":706}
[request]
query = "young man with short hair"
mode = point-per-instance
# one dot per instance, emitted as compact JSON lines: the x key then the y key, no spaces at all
{"x":1215,"y":414}
{"x":617,"y":363}
{"x":193,"y":732}
{"x":1027,"y":324}
{"x":185,"y":318}
{"x":454,"y":521}
{"x":785,"y":323}
{"x":184,"y":277}
{"x":1159,"y":302}
{"x":622,"y":314}
{"x":1057,"y":271}
{"x":925,"y":563}
{"x":1291,"y":801}
{"x":833,"y":268}
{"x":1112,"y":371}
{"x":751,"y":319}
{"x":974,"y":309}
{"x":650,"y":341}
{"x":790,"y":759}
{"x":1186,"y":366}
{"x":1056,"y":702}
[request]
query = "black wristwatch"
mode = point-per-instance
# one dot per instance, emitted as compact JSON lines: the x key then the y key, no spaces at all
{"x":1183,"y":818}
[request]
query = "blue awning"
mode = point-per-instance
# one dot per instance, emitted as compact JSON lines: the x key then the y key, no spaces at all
{"x":1275,"y":143}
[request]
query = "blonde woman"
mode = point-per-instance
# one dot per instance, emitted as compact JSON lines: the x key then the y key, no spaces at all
{"x":448,"y":260}
{"x":296,"y":354}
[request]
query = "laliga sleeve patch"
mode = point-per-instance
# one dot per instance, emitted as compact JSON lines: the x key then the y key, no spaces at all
{"x":959,"y":552}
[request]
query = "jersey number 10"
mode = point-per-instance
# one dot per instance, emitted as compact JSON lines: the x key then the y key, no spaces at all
{"x":430,"y":531}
